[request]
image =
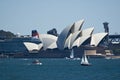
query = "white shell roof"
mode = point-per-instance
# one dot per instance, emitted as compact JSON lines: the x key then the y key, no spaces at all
{"x":32,"y":46}
{"x":80,"y":41}
{"x":62,"y":38}
{"x":47,"y":40}
{"x":52,"y":46}
{"x":85,"y":34}
{"x":67,"y":42}
{"x":87,"y":31}
{"x":74,"y":36}
{"x":78,"y":25}
{"x":96,"y":38}
{"x":70,"y":40}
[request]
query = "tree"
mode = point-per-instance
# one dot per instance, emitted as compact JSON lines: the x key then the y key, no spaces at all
{"x":6,"y":34}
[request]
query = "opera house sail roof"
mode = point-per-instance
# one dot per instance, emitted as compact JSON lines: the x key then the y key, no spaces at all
{"x":67,"y":32}
{"x":70,"y":37}
{"x":97,"y":38}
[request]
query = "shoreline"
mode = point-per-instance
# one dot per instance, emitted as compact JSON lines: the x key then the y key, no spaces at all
{"x":113,"y":57}
{"x":91,"y":56}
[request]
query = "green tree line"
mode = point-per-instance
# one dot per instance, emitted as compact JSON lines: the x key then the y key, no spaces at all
{"x":6,"y":34}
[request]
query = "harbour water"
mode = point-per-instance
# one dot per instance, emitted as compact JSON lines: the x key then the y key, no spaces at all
{"x":59,"y":69}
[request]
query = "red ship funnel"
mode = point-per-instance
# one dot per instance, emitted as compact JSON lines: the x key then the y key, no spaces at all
{"x":35,"y":34}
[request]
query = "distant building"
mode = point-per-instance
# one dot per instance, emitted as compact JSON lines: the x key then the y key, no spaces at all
{"x":53,"y":32}
{"x":106,"y":27}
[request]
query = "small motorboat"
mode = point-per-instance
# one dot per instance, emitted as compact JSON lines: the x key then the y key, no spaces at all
{"x":37,"y":62}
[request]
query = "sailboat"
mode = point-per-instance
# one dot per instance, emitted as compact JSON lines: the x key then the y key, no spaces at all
{"x":72,"y":54}
{"x":84,"y":61}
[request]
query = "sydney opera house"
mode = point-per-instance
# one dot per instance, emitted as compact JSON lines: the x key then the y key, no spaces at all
{"x":71,"y":38}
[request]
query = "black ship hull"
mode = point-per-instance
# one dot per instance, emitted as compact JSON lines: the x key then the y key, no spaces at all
{"x":47,"y":54}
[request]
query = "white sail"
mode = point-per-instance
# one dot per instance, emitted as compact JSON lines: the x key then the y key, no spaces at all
{"x":72,"y":54}
{"x":84,"y":60}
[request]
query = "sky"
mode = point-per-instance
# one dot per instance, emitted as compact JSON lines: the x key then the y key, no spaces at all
{"x":23,"y":16}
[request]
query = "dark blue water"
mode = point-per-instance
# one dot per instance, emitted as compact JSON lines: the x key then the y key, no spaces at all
{"x":59,"y":69}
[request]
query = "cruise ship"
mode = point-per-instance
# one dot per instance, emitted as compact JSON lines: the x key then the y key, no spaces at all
{"x":15,"y":48}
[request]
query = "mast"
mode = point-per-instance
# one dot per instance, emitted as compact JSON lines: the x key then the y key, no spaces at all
{"x":84,"y":59}
{"x":72,"y":54}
